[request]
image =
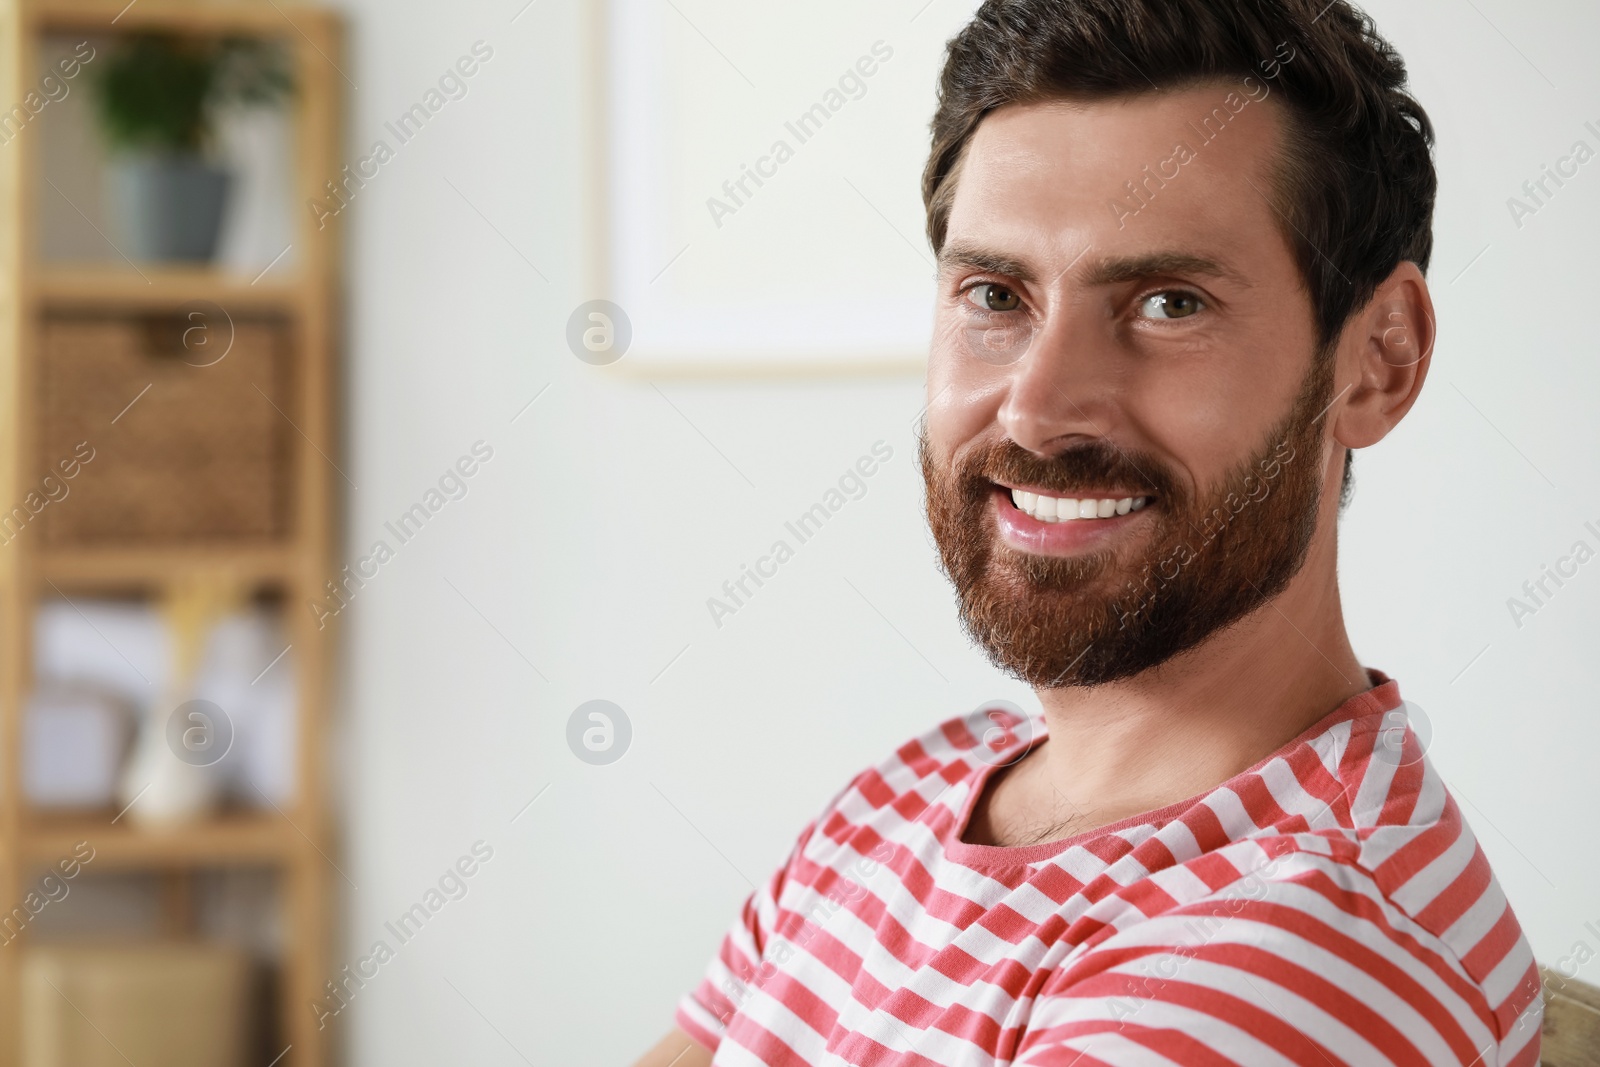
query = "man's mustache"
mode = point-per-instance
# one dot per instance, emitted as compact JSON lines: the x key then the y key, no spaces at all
{"x":1089,"y":468}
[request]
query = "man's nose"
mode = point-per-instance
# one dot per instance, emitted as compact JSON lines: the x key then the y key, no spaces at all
{"x":1063,"y":390}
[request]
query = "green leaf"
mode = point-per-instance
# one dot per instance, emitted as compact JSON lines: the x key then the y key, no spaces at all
{"x":160,"y":92}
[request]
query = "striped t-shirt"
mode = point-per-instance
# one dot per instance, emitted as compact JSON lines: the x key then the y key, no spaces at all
{"x":1327,"y":906}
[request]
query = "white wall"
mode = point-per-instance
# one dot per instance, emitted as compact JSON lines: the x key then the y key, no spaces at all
{"x":588,"y":545}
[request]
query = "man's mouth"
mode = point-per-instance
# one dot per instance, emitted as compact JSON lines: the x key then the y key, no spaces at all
{"x":1055,"y":509}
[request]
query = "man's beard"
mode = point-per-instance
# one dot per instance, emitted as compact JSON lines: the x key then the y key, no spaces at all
{"x":1091,"y":619}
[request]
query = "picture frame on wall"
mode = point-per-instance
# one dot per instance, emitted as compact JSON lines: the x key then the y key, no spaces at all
{"x":756,"y":203}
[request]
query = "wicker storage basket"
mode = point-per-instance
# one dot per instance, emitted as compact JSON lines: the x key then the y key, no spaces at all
{"x":185,"y":449}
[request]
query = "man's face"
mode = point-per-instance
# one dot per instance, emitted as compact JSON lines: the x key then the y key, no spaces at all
{"x":1154,"y":356}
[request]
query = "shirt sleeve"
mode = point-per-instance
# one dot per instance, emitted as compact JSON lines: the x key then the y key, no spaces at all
{"x":736,"y":969}
{"x":739,"y":967}
{"x":1307,"y":972}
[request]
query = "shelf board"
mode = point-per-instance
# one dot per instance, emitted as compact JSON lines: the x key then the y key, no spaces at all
{"x":259,"y":16}
{"x":160,"y":287}
{"x":235,"y":839}
{"x":137,"y":569}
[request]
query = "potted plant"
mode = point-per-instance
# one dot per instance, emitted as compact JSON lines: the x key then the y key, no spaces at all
{"x":158,"y":98}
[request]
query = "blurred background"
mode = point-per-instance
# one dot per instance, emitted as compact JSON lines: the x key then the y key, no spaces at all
{"x":403,"y":404}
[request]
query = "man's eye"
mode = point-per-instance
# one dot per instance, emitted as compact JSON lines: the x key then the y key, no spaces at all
{"x":994,"y":297}
{"x":1174,"y":304}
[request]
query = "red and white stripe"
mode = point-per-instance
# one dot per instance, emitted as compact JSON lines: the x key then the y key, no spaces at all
{"x":1324,"y":907}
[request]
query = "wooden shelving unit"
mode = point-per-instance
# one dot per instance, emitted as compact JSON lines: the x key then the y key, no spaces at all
{"x":256,"y":839}
{"x":98,"y":286}
{"x":131,"y":570}
{"x":294,"y":840}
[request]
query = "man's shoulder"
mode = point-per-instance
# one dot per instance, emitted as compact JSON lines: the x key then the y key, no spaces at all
{"x":1345,"y":843}
{"x":1394,"y":877}
{"x":929,"y":771}
{"x":1295,"y":923}
{"x":991,"y":734}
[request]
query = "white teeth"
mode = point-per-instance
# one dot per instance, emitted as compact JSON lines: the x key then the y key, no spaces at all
{"x":1070,"y":509}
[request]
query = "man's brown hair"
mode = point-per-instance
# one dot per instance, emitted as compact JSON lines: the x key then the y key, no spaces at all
{"x":1355,"y":189}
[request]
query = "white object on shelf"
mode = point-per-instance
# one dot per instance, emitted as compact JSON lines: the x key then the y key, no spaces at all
{"x":258,"y":225}
{"x":74,"y":740}
{"x":248,"y":670}
{"x":121,"y":646}
{"x":158,"y":788}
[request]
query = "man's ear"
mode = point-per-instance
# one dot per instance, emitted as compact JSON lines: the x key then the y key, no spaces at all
{"x":1384,"y":355}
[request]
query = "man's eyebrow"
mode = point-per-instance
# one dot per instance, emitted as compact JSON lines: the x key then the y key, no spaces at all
{"x":1116,"y":269}
{"x":955,"y":256}
{"x":1105,"y":271}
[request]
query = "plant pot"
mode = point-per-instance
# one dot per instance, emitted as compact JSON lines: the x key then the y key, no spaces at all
{"x":168,"y":207}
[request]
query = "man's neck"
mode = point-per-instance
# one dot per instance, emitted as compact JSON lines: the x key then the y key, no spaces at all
{"x":1169,"y":733}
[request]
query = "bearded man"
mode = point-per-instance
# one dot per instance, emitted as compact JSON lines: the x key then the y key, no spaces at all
{"x":1181,"y":251}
